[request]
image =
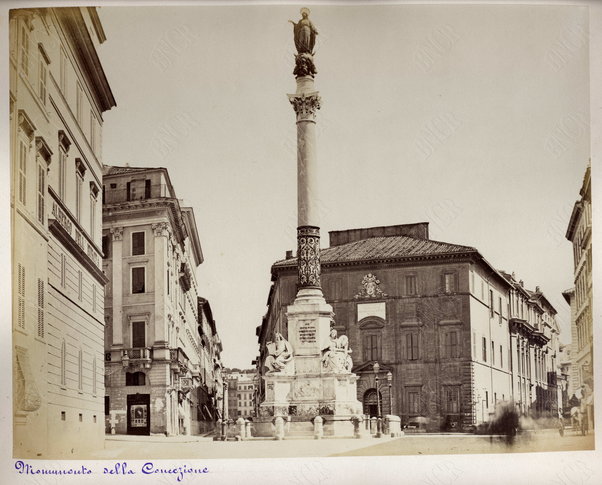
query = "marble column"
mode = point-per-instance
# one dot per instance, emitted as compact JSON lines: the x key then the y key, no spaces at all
{"x":117,"y":283}
{"x":306,"y":102}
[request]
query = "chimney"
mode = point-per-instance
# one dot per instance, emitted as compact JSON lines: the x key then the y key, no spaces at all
{"x":289,"y":254}
{"x":418,"y":230}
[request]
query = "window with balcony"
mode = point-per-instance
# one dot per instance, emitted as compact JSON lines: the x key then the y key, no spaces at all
{"x":138,"y":334}
{"x":411,"y":286}
{"x":138,"y":279}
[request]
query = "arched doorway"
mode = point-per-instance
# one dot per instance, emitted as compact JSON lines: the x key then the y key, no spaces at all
{"x":371,"y":403}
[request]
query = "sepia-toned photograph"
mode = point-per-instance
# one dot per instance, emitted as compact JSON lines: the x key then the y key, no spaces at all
{"x":298,"y":231}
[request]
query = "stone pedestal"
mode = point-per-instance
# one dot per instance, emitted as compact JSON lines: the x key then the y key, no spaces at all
{"x":312,"y":390}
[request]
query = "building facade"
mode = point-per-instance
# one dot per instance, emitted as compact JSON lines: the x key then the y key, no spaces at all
{"x":435,"y":315}
{"x":161,"y":348}
{"x":579,"y":232}
{"x":242,"y":387}
{"x":58,"y":94}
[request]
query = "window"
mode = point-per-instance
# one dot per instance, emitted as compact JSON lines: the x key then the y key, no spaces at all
{"x":92,"y":131}
{"x":41,"y":192}
{"x":63,"y":363}
{"x":451,"y":396}
{"x":474,"y":345}
{"x":92,"y":215}
{"x":138,"y":334}
{"x":78,"y":196}
{"x":40,"y":308}
{"x":42,"y":78}
{"x":137,"y":243}
{"x":93,"y":298}
{"x":413,"y":400}
{"x":80,"y":371}
{"x":106,"y":247}
{"x":450,"y":345}
{"x":501,"y":357}
{"x":412,"y":346}
{"x":135,"y":379}
{"x":79,"y":103}
{"x":63,"y":74}
{"x":449,"y":282}
{"x":486,"y":399}
{"x":63,"y":416}
{"x":107,"y":405}
{"x":81,"y":417}
{"x":94,"y":377}
{"x":484,"y":349}
{"x":80,"y":285}
{"x":25,"y":48}
{"x":492,"y":352}
{"x":371,"y":347}
{"x":21,"y":296}
{"x":168,"y":286}
{"x":491,"y":310}
{"x":500,"y":307}
{"x":63,"y":270}
{"x":62,"y":172}
{"x":411,"y":285}
{"x":23,"y":153}
{"x":138,"y":280}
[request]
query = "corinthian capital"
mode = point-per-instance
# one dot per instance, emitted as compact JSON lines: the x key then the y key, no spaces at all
{"x":117,"y":233}
{"x":160,"y":229}
{"x":305,"y":105}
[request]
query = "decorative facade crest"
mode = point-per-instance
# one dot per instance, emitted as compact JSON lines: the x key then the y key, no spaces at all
{"x":308,"y":256}
{"x":305,"y":105}
{"x":370,"y":288}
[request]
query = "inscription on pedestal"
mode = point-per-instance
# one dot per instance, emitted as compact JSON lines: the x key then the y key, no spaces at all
{"x":307,"y":332}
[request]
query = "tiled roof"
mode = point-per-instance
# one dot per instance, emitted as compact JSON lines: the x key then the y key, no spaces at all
{"x":113,"y":170}
{"x":386,"y":247}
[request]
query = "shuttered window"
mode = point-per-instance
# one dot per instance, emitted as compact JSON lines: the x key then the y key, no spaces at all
{"x":21,"y":296}
{"x":40,"y":308}
{"x":22,"y":172}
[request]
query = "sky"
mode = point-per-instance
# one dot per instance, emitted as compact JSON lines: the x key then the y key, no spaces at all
{"x":473,"y":118}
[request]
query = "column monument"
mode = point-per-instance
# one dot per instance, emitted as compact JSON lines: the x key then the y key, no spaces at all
{"x":309,"y":374}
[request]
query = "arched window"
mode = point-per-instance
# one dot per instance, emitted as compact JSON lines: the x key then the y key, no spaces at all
{"x":135,"y":379}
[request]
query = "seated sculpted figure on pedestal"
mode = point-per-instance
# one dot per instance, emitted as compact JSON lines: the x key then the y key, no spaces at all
{"x":335,"y":357}
{"x":280,"y":354}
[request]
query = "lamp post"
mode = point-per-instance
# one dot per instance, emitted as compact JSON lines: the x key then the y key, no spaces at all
{"x":390,"y":382}
{"x":376,"y":368}
{"x":225,"y":388}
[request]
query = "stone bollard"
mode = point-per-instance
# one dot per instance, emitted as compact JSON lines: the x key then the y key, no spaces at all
{"x":366,"y":424}
{"x":219,"y":429}
{"x":394,"y":426}
{"x":379,"y":427}
{"x":373,"y":425}
{"x":240,"y":428}
{"x":386,"y":425}
{"x":248,"y":425}
{"x":357,"y":423}
{"x":287,"y":427}
{"x":279,"y":428}
{"x":318,"y":428}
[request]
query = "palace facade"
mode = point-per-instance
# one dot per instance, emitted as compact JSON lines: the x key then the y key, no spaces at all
{"x":58,"y":94}
{"x":162,"y":349}
{"x":456,"y":336}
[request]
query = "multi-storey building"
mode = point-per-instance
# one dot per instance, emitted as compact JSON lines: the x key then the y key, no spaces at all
{"x":434,"y":315}
{"x":535,"y":348}
{"x":579,"y":232}
{"x":242,"y":393}
{"x":157,"y":333}
{"x":58,"y":94}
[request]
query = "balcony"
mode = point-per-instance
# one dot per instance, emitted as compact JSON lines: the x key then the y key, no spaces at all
{"x":137,"y":356}
{"x":178,"y":360}
{"x":134,"y":192}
